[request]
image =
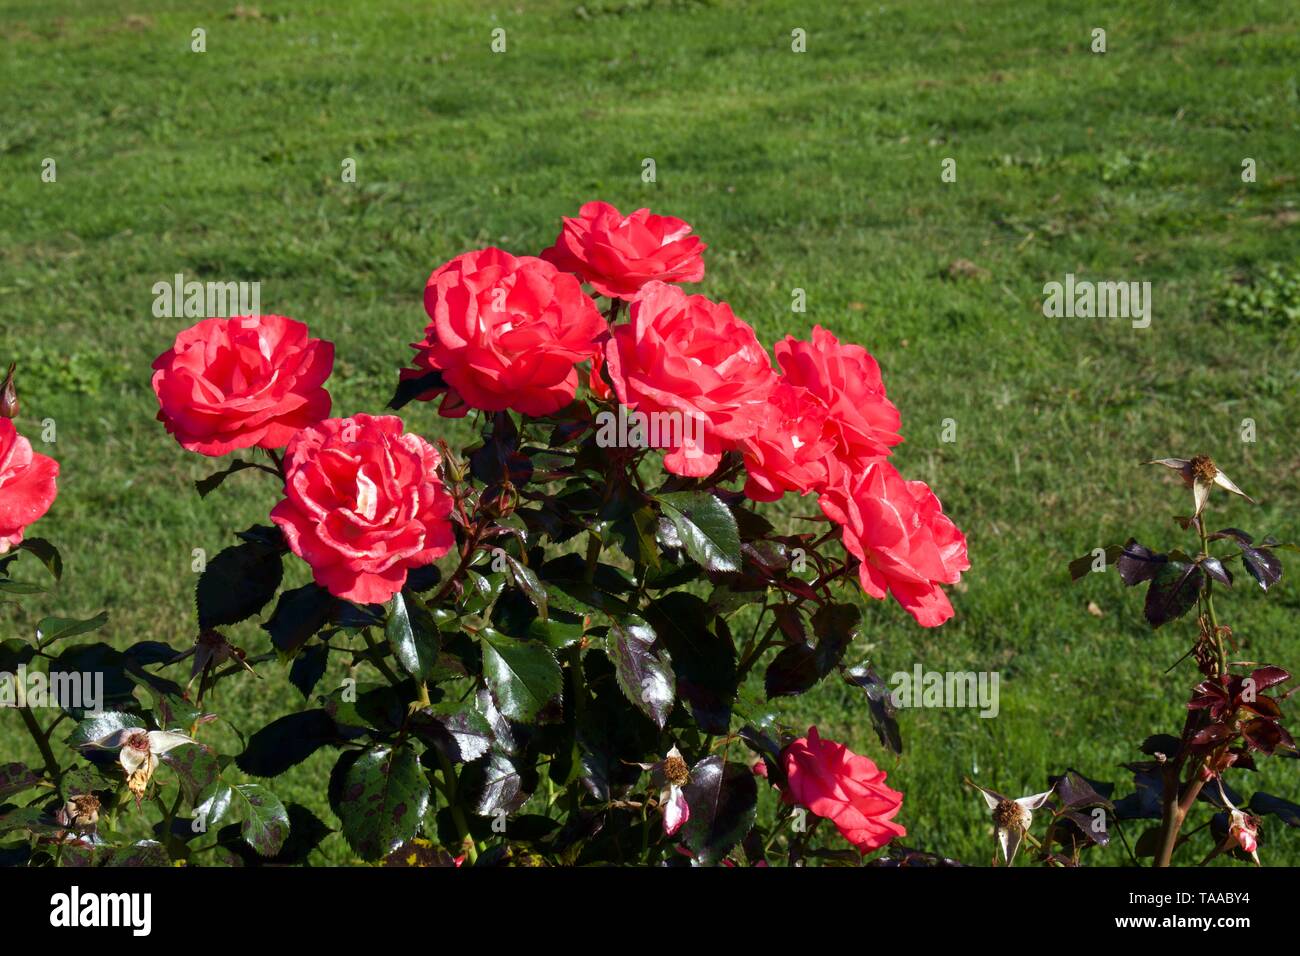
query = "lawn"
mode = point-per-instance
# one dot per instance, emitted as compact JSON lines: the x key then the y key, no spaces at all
{"x":818,"y":171}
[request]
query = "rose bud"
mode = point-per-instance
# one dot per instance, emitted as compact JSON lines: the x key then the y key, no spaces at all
{"x":9,"y":395}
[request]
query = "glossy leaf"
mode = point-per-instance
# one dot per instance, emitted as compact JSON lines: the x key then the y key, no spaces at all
{"x":196,"y":766}
{"x":644,"y":672}
{"x":51,"y":629}
{"x":522,"y":675}
{"x":880,"y":701}
{"x":723,"y":798}
{"x":264,"y":820}
{"x":286,"y":742}
{"x":413,"y":635}
{"x":706,"y":528}
{"x":383,"y":794}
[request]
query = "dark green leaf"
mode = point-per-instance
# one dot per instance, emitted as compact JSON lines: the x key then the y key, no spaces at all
{"x":286,"y":742}
{"x":522,"y":675}
{"x":265,"y":824}
{"x":703,"y":660}
{"x":195,"y":766}
{"x":502,"y":787}
{"x":459,"y":731}
{"x":100,"y":726}
{"x":47,"y":554}
{"x":706,"y":528}
{"x":298,"y":614}
{"x":308,"y":668}
{"x":383,"y":794}
{"x":205,"y":486}
{"x":51,"y":629}
{"x":1262,"y":803}
{"x":881,"y":703}
{"x":528,"y":582}
{"x":237,"y":583}
{"x":409,"y":389}
{"x":413,"y":635}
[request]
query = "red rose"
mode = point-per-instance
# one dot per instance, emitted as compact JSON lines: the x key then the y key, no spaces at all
{"x":27,"y":485}
{"x":789,"y":451}
{"x":619,"y":254}
{"x":694,"y":360}
{"x":506,"y":332}
{"x":845,"y":788}
{"x":845,"y":381}
{"x":239,"y":382}
{"x":898,"y":530}
{"x":363,"y":505}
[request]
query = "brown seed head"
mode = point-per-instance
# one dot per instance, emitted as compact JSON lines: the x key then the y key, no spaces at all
{"x":1009,"y":815}
{"x":1204,"y":469}
{"x":676,"y":772}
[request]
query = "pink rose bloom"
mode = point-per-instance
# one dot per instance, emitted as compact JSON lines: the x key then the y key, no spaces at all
{"x":790,"y":450}
{"x":898,"y":531}
{"x":363,"y":505}
{"x":241,"y":382}
{"x":619,"y":254}
{"x":845,"y":788}
{"x":694,"y":360}
{"x":845,"y":380}
{"x":506,"y":332}
{"x":27,"y":485}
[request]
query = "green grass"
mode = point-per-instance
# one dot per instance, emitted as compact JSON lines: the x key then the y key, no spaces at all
{"x":818,"y":171}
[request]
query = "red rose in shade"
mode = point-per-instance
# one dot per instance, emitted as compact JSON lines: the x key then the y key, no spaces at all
{"x":619,"y":254}
{"x":363,"y":505}
{"x":898,"y":530}
{"x":789,"y":451}
{"x":506,"y":333}
{"x":27,"y":485}
{"x":845,"y":788}
{"x":845,"y":381}
{"x":692,"y":358}
{"x":242,"y":382}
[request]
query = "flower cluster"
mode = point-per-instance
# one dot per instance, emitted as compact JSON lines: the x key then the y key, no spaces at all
{"x":508,"y":332}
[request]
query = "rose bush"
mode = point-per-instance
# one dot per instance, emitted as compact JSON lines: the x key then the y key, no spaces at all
{"x":536,"y":650}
